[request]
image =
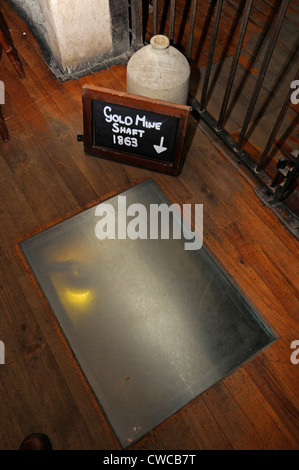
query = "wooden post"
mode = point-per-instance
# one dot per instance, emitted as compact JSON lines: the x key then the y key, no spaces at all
{"x":11,"y":55}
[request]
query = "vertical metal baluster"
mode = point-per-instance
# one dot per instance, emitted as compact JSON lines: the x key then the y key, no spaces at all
{"x":276,"y":127}
{"x":136,"y":24}
{"x":155,"y":13}
{"x":234,"y":64}
{"x":191,"y":30}
{"x":210,"y":56}
{"x":172,"y":20}
{"x":271,"y":45}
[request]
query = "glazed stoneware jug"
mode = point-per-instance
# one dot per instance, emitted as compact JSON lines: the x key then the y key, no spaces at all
{"x":159,"y":71}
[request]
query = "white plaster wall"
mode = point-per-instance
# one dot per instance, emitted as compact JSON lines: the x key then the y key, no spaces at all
{"x":78,"y":30}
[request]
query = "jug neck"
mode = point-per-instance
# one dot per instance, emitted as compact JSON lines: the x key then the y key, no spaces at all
{"x":160,"y":43}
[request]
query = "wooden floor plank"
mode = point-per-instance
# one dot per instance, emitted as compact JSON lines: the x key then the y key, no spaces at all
{"x":274,"y":432}
{"x":245,"y":214}
{"x":230,"y":417}
{"x":202,"y":423}
{"x":273,"y":392}
{"x":174,"y":433}
{"x":14,"y":200}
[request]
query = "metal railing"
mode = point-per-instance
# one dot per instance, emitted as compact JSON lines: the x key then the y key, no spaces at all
{"x":274,"y":189}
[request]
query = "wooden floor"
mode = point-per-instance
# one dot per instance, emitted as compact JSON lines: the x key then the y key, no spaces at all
{"x":44,"y":178}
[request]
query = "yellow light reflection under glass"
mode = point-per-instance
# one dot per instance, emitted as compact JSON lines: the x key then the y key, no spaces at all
{"x":75,"y":299}
{"x":79,"y":298}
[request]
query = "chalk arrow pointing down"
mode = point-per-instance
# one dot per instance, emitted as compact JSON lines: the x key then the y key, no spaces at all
{"x":160,"y":148}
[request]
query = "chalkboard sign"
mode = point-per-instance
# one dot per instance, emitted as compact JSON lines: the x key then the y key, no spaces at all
{"x":133,"y":129}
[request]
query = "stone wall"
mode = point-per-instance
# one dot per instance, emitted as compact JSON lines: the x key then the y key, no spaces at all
{"x":31,"y":12}
{"x":76,"y":35}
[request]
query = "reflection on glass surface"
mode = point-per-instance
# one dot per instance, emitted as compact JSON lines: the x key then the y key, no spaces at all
{"x":151,"y":325}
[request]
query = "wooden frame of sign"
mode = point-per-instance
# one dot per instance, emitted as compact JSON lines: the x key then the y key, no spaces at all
{"x":134,"y":129}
